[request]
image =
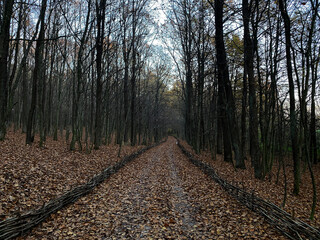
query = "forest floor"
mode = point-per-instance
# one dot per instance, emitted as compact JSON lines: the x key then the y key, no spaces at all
{"x":159,"y":195}
{"x":31,"y":176}
{"x":298,"y":206}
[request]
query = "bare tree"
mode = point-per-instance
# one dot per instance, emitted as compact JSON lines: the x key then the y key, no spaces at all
{"x":253,"y":112}
{"x":293,"y":120}
{"x":225,"y":90}
{"x":4,"y":76}
{"x":37,"y":72}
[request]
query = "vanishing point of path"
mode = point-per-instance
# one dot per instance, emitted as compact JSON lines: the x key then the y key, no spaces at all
{"x":159,"y":195}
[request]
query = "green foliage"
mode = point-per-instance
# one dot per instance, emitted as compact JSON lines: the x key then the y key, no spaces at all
{"x":234,"y":49}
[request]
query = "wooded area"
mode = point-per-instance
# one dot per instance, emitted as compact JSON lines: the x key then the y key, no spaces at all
{"x":238,"y":78}
{"x":249,"y":72}
{"x":82,"y":66}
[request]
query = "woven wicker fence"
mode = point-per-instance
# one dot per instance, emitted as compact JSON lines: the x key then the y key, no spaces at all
{"x":16,"y":226}
{"x":280,"y":219}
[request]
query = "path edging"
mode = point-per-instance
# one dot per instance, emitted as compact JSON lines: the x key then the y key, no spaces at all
{"x":277,"y":217}
{"x":19,"y":225}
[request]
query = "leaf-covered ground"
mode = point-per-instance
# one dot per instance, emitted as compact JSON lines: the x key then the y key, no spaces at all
{"x":30,"y":176}
{"x":159,"y":195}
{"x":297,"y":206}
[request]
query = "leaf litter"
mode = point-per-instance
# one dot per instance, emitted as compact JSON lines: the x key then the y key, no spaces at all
{"x":160,"y":195}
{"x":31,"y":176}
{"x":298,"y":206}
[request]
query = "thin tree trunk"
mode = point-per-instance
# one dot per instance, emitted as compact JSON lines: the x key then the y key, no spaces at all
{"x":78,"y":86}
{"x":293,"y":121}
{"x":313,"y":135}
{"x":99,"y":47}
{"x":133,"y":77}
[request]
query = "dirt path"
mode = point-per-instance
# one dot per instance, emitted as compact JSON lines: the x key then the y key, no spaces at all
{"x":160,"y":195}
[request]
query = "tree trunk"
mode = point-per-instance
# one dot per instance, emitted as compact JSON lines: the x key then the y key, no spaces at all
{"x":225,"y":87}
{"x":99,"y":47}
{"x":37,"y":72}
{"x":313,"y":135}
{"x":293,"y":121}
{"x":78,"y":87}
{"x":253,"y":113}
{"x":133,"y":77}
{"x":4,"y":49}
{"x":244,"y":114}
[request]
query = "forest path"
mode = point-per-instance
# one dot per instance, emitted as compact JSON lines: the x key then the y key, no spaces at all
{"x":159,"y":195}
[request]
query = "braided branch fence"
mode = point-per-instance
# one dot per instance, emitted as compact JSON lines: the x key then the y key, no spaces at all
{"x":19,"y":225}
{"x":280,"y":219}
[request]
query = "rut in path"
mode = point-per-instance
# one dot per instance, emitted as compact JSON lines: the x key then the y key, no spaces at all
{"x":160,"y":195}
